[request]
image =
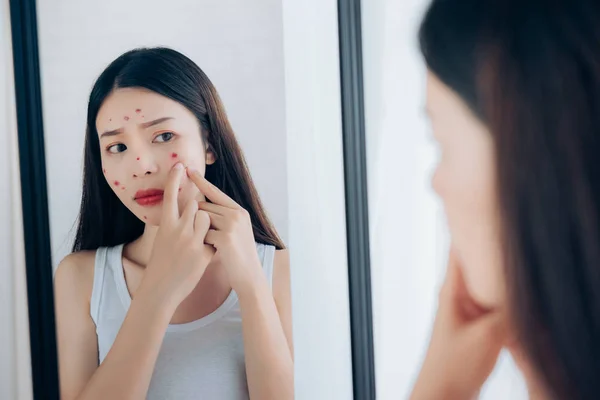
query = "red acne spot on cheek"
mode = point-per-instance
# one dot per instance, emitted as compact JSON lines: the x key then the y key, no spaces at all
{"x":138,"y":111}
{"x":123,"y":187}
{"x":117,"y":183}
{"x":103,"y":170}
{"x":126,"y":118}
{"x":174,"y":155}
{"x":138,"y":159}
{"x":145,"y":217}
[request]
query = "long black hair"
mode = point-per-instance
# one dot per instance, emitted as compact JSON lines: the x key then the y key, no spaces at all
{"x":530,"y":70}
{"x":103,"y":219}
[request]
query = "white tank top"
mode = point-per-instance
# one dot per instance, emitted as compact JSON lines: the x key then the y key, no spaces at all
{"x":202,"y":359}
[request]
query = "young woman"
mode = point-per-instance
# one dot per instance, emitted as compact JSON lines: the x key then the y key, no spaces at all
{"x":178,"y":285}
{"x":514,"y":99}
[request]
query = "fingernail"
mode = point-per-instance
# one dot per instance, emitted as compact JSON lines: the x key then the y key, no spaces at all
{"x":178,"y":166}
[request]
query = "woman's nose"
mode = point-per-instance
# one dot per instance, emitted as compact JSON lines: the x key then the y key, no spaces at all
{"x":144,"y":165}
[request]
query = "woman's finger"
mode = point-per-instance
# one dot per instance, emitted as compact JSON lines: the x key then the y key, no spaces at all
{"x":170,"y":211}
{"x":189,"y":212}
{"x":213,"y":238}
{"x":210,"y":191}
{"x":201,"y":224}
{"x":218,"y":222}
{"x":213,"y":208}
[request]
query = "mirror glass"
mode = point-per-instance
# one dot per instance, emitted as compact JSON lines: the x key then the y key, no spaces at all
{"x":169,"y":283}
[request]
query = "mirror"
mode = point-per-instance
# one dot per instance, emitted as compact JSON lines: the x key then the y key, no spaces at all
{"x":188,"y":103}
{"x":199,"y":83}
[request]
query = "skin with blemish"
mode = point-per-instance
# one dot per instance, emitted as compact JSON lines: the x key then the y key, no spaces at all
{"x":140,"y":153}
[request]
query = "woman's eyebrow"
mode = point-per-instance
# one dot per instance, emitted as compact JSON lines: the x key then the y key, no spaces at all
{"x":144,"y":125}
{"x":155,"y":122}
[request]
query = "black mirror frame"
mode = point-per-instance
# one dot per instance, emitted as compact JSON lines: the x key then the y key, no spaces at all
{"x":34,"y":199}
{"x":357,"y":207}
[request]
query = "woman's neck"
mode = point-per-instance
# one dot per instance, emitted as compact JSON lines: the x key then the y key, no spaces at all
{"x":535,"y":388}
{"x":140,"y":250}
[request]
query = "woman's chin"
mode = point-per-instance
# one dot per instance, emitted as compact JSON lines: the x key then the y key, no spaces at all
{"x":482,"y":295}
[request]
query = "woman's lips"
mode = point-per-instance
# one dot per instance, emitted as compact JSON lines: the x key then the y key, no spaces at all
{"x":149,"y":197}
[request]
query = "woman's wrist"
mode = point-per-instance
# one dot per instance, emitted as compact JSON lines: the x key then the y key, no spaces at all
{"x":254,"y":284}
{"x":158,"y":298}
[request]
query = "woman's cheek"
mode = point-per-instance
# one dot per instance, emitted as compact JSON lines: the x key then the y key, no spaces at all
{"x":115,"y":183}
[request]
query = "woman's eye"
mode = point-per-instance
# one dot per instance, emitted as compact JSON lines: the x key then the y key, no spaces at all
{"x":164,"y":137}
{"x":117,"y":148}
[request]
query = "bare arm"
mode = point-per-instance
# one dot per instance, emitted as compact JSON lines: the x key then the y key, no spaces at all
{"x":179,"y":259}
{"x":267,"y":330}
{"x":127,"y":368}
{"x":266,"y":325}
{"x":76,"y":332}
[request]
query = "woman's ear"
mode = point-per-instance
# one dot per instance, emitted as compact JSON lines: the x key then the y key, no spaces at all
{"x":210,"y":156}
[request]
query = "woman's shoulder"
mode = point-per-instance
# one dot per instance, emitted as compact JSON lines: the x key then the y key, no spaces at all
{"x":281,"y":270}
{"x":76,"y":273}
{"x":282,"y":257}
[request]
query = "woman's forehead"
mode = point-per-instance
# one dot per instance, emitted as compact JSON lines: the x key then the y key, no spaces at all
{"x":138,"y":105}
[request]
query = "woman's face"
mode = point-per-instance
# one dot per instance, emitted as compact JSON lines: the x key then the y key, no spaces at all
{"x":142,"y":136}
{"x":466,"y":182}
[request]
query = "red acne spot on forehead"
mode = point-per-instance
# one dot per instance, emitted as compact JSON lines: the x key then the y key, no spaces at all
{"x":174,"y":155}
{"x":138,"y":111}
{"x":145,"y":217}
{"x":126,"y":118}
{"x":117,"y":183}
{"x":123,"y":187}
{"x":138,"y":159}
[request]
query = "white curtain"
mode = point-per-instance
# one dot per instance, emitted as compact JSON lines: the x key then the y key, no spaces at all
{"x":409,"y":239}
{"x":15,"y":366}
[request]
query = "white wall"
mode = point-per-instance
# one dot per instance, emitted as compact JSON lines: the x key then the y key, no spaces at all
{"x":316,"y":194}
{"x":239,"y":44}
{"x":408,"y":235}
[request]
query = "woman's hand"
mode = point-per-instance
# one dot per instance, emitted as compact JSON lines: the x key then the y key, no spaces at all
{"x":179,"y":255}
{"x":464,"y":346}
{"x":231,"y":234}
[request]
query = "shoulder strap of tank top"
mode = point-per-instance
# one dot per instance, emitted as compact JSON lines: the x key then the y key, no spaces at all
{"x":266,"y":254}
{"x":99,"y":269}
